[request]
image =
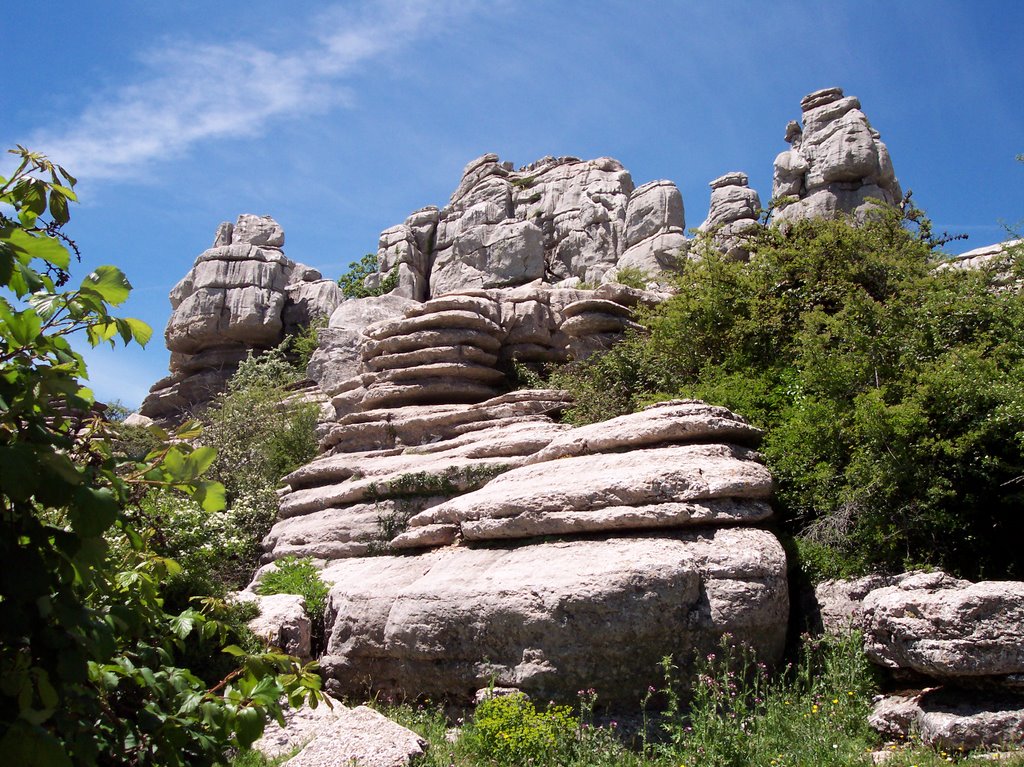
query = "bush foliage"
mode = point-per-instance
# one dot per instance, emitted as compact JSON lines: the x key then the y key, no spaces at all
{"x":892,"y":392}
{"x":93,"y":664}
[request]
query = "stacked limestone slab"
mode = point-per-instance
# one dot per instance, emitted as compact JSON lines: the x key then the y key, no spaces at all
{"x":836,"y":164}
{"x":733,"y":213}
{"x":459,"y":347}
{"x":241,"y":295}
{"x":552,"y":220}
{"x":953,"y":647}
{"x":471,"y":544}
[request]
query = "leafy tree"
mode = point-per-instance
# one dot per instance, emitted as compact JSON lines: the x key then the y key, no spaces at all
{"x":892,"y":391}
{"x":88,"y":672}
{"x":353,"y":282}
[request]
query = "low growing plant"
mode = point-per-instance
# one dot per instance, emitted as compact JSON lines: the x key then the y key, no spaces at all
{"x":302,"y":577}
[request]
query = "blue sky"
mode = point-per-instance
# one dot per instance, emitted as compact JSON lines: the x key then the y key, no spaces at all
{"x":339,"y":119}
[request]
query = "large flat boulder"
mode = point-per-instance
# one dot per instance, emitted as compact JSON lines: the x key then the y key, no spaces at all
{"x":552,"y":618}
{"x":947,"y":628}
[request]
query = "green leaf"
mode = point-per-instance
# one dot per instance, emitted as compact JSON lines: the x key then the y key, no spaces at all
{"x":234,"y":650}
{"x":27,"y":246}
{"x":22,"y":327}
{"x":202,"y":458}
{"x":65,"y":191}
{"x":93,"y":511}
{"x":31,"y":746}
{"x":181,"y":625}
{"x":140,"y":330}
{"x":248,"y":726}
{"x":59,"y":207}
{"x":109,"y":283}
{"x":211,"y":496}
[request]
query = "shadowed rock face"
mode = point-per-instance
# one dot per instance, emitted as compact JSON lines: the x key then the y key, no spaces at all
{"x":836,"y":162}
{"x":241,"y":295}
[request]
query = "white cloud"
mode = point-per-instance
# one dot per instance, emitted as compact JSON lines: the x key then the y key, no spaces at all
{"x":187,"y":93}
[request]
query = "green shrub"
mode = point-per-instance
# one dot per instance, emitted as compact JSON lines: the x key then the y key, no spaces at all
{"x":305,"y":342}
{"x":302,"y":577}
{"x":352,"y":282}
{"x":892,"y":393}
{"x":509,"y":730}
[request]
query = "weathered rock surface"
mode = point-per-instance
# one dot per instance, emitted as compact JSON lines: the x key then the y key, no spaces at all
{"x":552,"y":618}
{"x":836,"y":162}
{"x":457,"y":348}
{"x":549,"y":221}
{"x":952,"y":720}
{"x":840,"y":603}
{"x":282,"y":621}
{"x":241,"y":295}
{"x":655,"y":228}
{"x":387,"y":465}
{"x":734,"y":211}
{"x":666,"y":500}
{"x":946,"y":628}
{"x":994,"y":256}
{"x":332,"y":735}
{"x":337,"y":357}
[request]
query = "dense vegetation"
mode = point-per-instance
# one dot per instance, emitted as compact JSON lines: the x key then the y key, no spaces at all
{"x":813,"y":712}
{"x":96,"y":668}
{"x":353,"y":282}
{"x":892,"y":392}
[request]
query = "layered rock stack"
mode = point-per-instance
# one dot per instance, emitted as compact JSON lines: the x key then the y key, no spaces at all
{"x":457,"y":348}
{"x":734,"y":211}
{"x":836,"y":163}
{"x":552,"y":220}
{"x":241,"y":295}
{"x":952,"y":647}
{"x":656,"y":547}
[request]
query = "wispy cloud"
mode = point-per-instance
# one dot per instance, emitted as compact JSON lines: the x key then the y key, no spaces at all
{"x":187,"y":93}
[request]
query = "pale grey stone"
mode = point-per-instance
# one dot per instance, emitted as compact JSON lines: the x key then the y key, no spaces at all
{"x":946,"y":628}
{"x":282,"y":622}
{"x":258,"y":230}
{"x":453,"y":620}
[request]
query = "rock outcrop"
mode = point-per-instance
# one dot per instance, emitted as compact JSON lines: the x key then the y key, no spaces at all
{"x":458,"y":348}
{"x":242,"y":295}
{"x":957,"y":642}
{"x":836,"y":162}
{"x":552,"y":220}
{"x":658,"y":548}
{"x":946,"y":628}
{"x":733,"y":212}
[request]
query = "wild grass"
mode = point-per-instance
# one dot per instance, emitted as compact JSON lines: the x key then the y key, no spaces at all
{"x":738,"y":713}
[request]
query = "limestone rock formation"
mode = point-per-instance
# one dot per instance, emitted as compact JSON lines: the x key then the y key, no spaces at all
{"x":655,"y":228}
{"x":552,"y":220}
{"x":958,"y":641}
{"x":282,"y":621}
{"x":241,"y":295}
{"x":734,"y":211}
{"x":951,"y":720}
{"x":835,"y":163}
{"x":667,"y":500}
{"x":458,"y":348}
{"x":552,"y":618}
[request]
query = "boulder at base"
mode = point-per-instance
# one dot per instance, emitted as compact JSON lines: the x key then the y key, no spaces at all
{"x":552,"y":618}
